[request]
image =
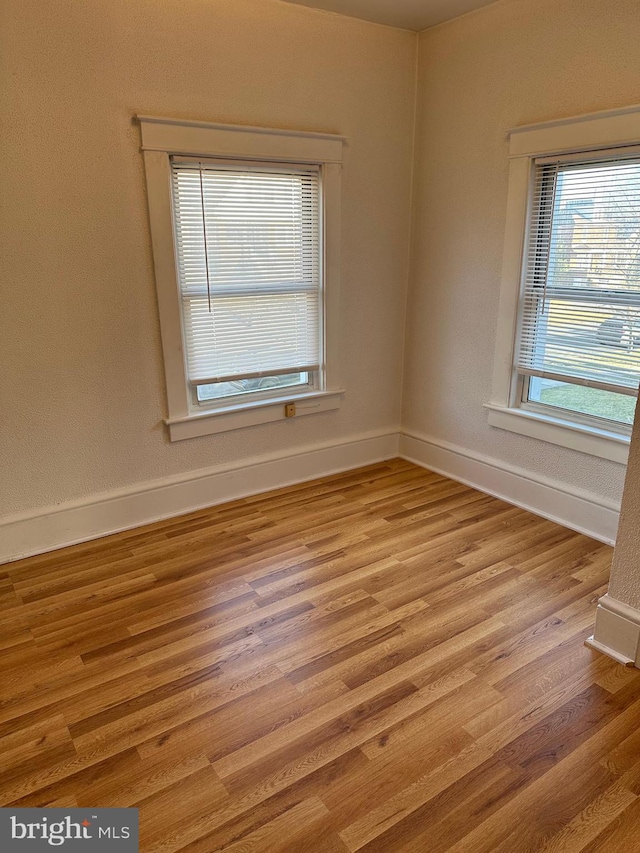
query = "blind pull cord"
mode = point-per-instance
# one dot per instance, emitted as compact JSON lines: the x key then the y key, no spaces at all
{"x":204,"y":234}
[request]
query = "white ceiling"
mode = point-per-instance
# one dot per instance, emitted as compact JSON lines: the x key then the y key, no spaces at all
{"x":410,"y":14}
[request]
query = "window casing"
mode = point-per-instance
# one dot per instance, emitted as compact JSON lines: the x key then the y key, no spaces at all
{"x":568,"y":341}
{"x":245,"y":230}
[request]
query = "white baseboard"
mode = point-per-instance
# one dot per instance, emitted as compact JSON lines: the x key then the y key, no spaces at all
{"x":617,"y":631}
{"x":65,"y":524}
{"x":99,"y":515}
{"x":573,"y":508}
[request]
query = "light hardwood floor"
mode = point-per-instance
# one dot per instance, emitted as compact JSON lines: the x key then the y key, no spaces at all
{"x":382,"y":660}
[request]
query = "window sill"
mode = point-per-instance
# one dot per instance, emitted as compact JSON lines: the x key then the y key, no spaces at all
{"x":595,"y":442}
{"x":248,"y":414}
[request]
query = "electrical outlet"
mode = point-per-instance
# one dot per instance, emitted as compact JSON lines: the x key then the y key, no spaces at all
{"x":290,"y":410}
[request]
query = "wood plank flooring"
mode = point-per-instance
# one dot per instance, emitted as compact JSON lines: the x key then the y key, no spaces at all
{"x":383,"y":661}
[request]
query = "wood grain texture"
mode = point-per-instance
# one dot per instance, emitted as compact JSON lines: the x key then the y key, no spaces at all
{"x":382,"y":660}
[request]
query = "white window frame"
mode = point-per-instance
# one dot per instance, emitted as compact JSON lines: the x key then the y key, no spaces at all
{"x":164,"y":138}
{"x":582,"y":134}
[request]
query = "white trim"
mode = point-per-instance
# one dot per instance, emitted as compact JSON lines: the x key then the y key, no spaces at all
{"x":593,"y":156}
{"x":100,"y":515}
{"x":158,"y":175}
{"x":574,"y":508}
{"x":238,"y":141}
{"x":332,"y":229}
{"x":558,"y":122}
{"x":609,"y":128}
{"x":251,"y":414}
{"x":520,"y":172}
{"x":210,"y":125}
{"x":161,"y":138}
{"x":586,"y":439}
{"x":617,"y":631}
{"x":25,"y":534}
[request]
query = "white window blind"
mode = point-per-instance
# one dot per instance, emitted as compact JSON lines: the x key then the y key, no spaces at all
{"x":248,"y":245}
{"x":580,"y":310}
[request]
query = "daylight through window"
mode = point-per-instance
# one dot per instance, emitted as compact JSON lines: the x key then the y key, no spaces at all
{"x":579,"y":335}
{"x":249,"y":267}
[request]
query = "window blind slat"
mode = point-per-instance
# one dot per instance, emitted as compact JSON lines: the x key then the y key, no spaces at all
{"x":580,"y":305}
{"x":250,"y":292}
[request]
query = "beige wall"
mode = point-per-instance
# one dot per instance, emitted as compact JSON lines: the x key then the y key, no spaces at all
{"x":82,"y":381}
{"x":511,"y":63}
{"x":82,"y":385}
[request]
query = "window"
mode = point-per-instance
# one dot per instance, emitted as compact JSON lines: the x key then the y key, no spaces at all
{"x":573,"y":240}
{"x":248,"y":247}
{"x":245,"y":229}
{"x":579,"y":349}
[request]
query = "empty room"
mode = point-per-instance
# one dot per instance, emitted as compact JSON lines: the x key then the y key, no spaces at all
{"x":320,"y":487}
